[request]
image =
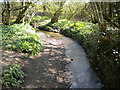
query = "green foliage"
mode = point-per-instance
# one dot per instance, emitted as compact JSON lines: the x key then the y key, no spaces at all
{"x":39,"y":18}
{"x":78,"y":30}
{"x":22,"y":38}
{"x":60,"y":24}
{"x":12,"y":77}
{"x":102,"y":47}
{"x":46,"y":27}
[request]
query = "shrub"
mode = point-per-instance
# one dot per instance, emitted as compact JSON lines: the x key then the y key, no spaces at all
{"x":21,"y":38}
{"x":12,"y":77}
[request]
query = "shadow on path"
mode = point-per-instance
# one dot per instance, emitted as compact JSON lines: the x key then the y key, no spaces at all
{"x":45,"y":70}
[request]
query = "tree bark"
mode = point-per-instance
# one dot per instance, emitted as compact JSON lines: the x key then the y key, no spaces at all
{"x":57,"y":13}
{"x":22,"y":13}
{"x":6,"y":13}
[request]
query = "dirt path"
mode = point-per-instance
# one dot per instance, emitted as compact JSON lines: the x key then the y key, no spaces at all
{"x":46,"y":70}
{"x":50,"y":68}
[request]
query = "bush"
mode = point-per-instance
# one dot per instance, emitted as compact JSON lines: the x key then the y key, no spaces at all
{"x":12,"y":77}
{"x":21,"y":38}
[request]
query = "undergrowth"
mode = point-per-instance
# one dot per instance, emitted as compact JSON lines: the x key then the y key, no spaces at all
{"x":12,"y":77}
{"x":102,"y":48}
{"x":21,"y":38}
{"x":39,"y":18}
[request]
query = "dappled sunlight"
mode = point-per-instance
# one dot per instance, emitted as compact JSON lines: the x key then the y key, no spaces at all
{"x":52,"y":70}
{"x":64,"y":44}
{"x":47,"y":69}
{"x":49,"y":34}
{"x":60,"y":80}
{"x":11,"y":57}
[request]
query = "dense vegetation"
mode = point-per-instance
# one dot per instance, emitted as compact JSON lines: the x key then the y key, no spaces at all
{"x":21,"y":38}
{"x":12,"y":77}
{"x":24,"y":39}
{"x":101,"y":49}
{"x":100,"y":40}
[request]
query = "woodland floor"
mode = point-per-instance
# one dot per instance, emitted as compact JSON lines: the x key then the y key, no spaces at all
{"x":45,"y":70}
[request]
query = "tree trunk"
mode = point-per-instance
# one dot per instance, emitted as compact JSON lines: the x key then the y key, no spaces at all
{"x":57,"y":13}
{"x":55,"y":17}
{"x":102,"y":21}
{"x":22,"y":13}
{"x":6,"y":13}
